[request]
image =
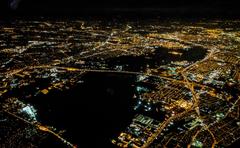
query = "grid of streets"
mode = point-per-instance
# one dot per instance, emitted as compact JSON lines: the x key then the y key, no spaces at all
{"x":195,"y":100}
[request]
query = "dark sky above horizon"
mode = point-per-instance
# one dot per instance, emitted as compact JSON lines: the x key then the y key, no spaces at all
{"x":45,"y":6}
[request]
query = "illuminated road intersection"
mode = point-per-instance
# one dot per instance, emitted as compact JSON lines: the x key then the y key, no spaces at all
{"x":152,"y":83}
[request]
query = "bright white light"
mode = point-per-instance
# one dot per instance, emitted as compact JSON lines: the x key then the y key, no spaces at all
{"x":30,"y":111}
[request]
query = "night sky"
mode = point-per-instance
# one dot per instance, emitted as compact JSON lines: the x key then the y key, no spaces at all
{"x":78,"y":6}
